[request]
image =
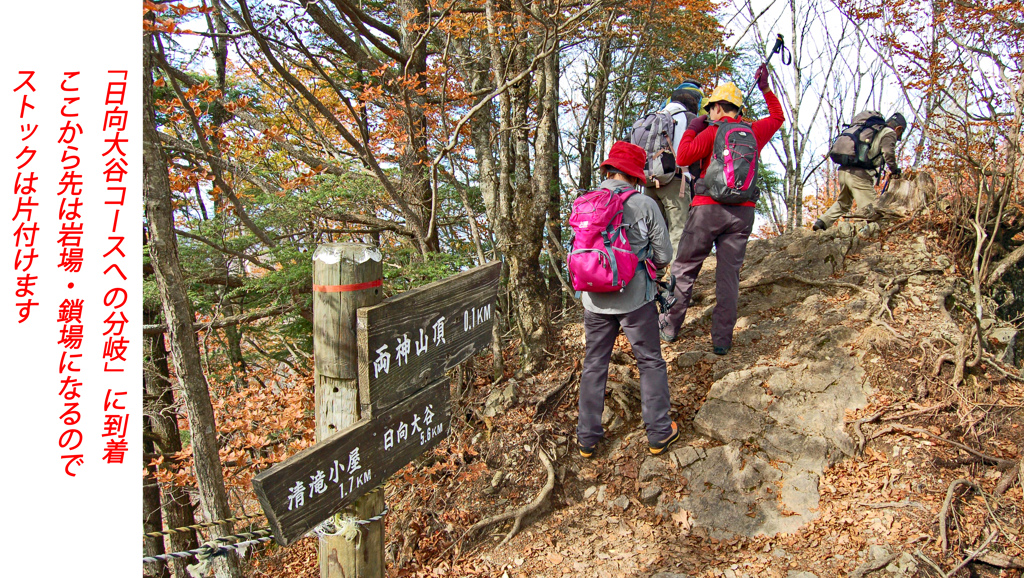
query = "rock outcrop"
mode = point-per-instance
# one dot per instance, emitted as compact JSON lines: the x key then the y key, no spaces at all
{"x":779,"y":417}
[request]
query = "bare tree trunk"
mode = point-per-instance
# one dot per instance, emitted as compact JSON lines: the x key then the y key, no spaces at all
{"x":478,"y":74}
{"x":151,"y":519}
{"x":177,"y":312}
{"x":931,"y":93}
{"x":161,"y":425}
{"x":595,"y":112}
{"x":793,"y":180}
{"x":526,"y":280}
{"x":413,"y":159}
{"x":554,"y":218}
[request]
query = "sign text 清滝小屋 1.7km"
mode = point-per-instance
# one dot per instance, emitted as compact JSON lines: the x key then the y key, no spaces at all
{"x":312,"y":485}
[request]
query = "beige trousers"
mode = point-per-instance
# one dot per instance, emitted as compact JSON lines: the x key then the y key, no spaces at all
{"x":853,"y":187}
{"x":674,"y":202}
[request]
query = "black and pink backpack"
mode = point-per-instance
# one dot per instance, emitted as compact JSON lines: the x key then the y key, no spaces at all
{"x":731,"y":177}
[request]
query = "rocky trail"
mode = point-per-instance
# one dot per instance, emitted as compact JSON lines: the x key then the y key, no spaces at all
{"x":845,"y":434}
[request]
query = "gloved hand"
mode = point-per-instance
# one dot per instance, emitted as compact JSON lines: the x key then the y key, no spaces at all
{"x":897,"y":172}
{"x":666,"y":294}
{"x":698,"y":124}
{"x":761,"y":78}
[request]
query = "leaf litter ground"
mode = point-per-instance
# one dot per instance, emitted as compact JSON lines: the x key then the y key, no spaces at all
{"x":594,"y":522}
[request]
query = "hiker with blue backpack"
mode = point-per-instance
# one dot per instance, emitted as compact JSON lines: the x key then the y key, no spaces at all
{"x":862,"y":151}
{"x":722,"y":210}
{"x":619,"y":242}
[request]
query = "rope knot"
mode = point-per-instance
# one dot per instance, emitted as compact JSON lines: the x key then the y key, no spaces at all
{"x":346,"y":526}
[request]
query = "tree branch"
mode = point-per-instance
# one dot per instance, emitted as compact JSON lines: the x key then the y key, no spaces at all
{"x":225,"y":250}
{"x":226,"y":321}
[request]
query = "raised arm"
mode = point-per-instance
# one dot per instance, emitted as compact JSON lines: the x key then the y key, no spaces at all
{"x":697,"y":142}
{"x":766,"y":128}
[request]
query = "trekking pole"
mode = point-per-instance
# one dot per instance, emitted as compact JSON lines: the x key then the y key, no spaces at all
{"x":825,"y":158}
{"x":888,"y":178}
{"x":785,"y":55}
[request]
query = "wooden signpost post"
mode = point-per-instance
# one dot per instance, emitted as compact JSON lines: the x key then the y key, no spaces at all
{"x":382,"y":397}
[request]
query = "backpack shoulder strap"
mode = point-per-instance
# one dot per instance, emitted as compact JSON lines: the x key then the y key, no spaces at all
{"x":625,"y":195}
{"x":875,"y":149}
{"x":882,"y":131}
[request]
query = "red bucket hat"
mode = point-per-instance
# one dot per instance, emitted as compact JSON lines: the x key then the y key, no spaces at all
{"x":628,"y":159}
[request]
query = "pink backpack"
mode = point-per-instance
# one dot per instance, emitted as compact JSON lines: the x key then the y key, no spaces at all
{"x":601,"y":260}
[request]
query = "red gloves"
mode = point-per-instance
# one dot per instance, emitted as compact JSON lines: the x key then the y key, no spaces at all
{"x":698,"y":124}
{"x":761,"y":78}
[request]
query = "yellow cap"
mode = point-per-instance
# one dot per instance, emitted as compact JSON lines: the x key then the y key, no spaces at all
{"x":727,"y":92}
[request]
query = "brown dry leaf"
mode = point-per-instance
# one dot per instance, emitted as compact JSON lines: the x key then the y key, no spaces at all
{"x":876,"y":455}
{"x":630,"y":469}
{"x":555,"y":558}
{"x":683,"y":520}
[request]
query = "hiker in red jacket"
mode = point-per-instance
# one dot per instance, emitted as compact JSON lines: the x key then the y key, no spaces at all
{"x":726,"y":227}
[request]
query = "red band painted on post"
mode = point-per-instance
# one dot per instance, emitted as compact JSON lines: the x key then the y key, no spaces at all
{"x":344,"y":288}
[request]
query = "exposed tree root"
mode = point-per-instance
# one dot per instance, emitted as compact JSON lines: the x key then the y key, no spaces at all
{"x":896,"y":285}
{"x":940,"y":302}
{"x":521,"y":513}
{"x":945,"y":358}
{"x":996,"y":366}
{"x":905,"y":503}
{"x":900,"y":338}
{"x":960,"y":362}
{"x":1000,"y":560}
{"x":551,"y":398}
{"x":872,"y":565}
{"x":920,"y":411}
{"x":861,"y":440}
{"x":1007,"y":264}
{"x":810,"y":282}
{"x":946,"y":504}
{"x":928,"y":560}
{"x":1009,"y":477}
{"x":999,"y":462}
{"x":973,"y":555}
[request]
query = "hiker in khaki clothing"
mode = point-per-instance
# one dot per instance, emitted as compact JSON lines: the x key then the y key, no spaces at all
{"x":856,"y":184}
{"x":674,"y":198}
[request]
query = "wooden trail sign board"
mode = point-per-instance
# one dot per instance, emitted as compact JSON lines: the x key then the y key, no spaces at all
{"x":412,"y":339}
{"x":312,"y":485}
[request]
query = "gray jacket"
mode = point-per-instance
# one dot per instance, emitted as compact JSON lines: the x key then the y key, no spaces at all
{"x":648,"y":236}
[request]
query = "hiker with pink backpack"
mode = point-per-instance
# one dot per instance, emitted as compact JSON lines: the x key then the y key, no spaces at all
{"x":620,"y":241}
{"x":722,"y":210}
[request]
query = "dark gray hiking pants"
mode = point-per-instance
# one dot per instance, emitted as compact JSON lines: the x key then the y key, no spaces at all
{"x":641,"y":328}
{"x":727,"y":228}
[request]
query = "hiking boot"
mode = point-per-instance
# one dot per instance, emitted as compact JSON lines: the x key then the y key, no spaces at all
{"x":819,"y":225}
{"x":663,"y":330}
{"x":659,"y":447}
{"x":719,"y":350}
{"x":587,"y":451}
